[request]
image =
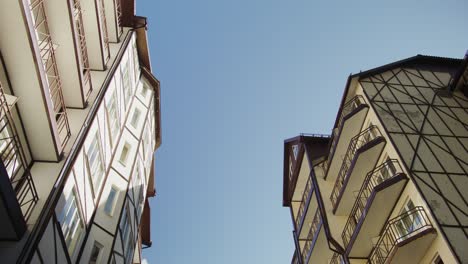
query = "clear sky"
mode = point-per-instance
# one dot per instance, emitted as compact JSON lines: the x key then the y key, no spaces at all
{"x":240,"y":76}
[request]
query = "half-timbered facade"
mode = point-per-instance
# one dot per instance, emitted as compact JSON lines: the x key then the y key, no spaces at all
{"x":389,"y":185}
{"x":79,"y":126}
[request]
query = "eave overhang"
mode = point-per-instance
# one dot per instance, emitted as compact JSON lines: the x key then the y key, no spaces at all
{"x":318,"y":143}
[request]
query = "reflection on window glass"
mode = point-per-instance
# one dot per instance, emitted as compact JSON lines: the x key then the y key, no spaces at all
{"x":113,"y":114}
{"x":70,"y":220}
{"x":135,"y":117}
{"x":124,"y":154}
{"x":96,"y":166}
{"x":110,"y":202}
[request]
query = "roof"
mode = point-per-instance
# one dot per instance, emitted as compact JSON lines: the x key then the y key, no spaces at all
{"x":418,"y":59}
{"x":316,"y":143}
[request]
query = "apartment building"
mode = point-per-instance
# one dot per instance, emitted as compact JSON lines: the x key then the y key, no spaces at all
{"x":79,"y":126}
{"x":390,"y":184}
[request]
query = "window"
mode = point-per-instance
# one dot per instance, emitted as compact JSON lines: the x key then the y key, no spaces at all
{"x":124,"y":154}
{"x":410,"y":222}
{"x":113,"y":115}
{"x":144,"y":90}
{"x":135,"y":118}
{"x":136,"y":63}
{"x":126,"y":82}
{"x":140,"y":182}
{"x":71,"y":222}
{"x":127,"y":234}
{"x":95,"y":253}
{"x":96,"y":167}
{"x":438,"y":260}
{"x":110,"y":202}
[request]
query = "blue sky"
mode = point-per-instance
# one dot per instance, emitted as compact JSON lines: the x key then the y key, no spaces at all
{"x":239,"y":77}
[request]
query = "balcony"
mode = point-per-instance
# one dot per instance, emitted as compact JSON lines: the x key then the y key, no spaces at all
{"x":405,"y":239}
{"x":295,"y":259}
{"x":375,"y":201}
{"x":337,"y":259}
{"x":105,"y":32}
{"x":361,"y":157}
{"x":47,"y":52}
{"x":15,"y":177}
{"x":303,"y":213}
{"x":312,"y":236}
{"x":86,"y":75}
{"x":351,"y":119}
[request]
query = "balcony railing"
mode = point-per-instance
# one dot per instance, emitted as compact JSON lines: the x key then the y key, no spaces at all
{"x":397,"y":230}
{"x":13,"y":158}
{"x":305,"y":196}
{"x":118,"y":7}
{"x":47,"y":51}
{"x":337,"y":259}
{"x":352,"y":104}
{"x":312,"y":236}
{"x":83,"y":49}
{"x":357,"y":142}
{"x":102,"y":14}
{"x":383,"y":172}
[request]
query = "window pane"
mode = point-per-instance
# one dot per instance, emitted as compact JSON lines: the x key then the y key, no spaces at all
{"x":95,"y":162}
{"x":94,"y":258}
{"x":135,"y":118}
{"x":71,"y":222}
{"x":124,"y":154}
{"x":109,"y":206}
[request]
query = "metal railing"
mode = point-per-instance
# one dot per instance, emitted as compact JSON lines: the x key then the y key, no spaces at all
{"x":47,"y":51}
{"x":381,"y":173}
{"x":337,"y":259}
{"x":118,"y":8}
{"x":305,"y":196}
{"x":357,"y":142}
{"x":14,"y":160}
{"x":102,"y":14}
{"x":348,"y":107}
{"x":78,"y":18}
{"x":398,"y":230}
{"x":311,"y":236}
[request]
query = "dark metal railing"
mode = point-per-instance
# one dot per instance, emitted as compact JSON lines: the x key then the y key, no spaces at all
{"x":305,"y":196}
{"x":14,"y":160}
{"x":337,"y":259}
{"x":87,"y":89}
{"x":311,"y":236}
{"x":348,"y":107}
{"x":357,"y":142}
{"x":102,"y":14}
{"x":47,"y":51}
{"x":118,"y":8}
{"x":398,"y":230}
{"x":381,"y":173}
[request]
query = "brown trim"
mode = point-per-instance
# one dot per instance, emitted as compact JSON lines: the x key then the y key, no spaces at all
{"x":157,"y":102}
{"x":128,"y":12}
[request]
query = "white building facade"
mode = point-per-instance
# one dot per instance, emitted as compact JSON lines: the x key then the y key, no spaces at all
{"x":80,"y":123}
